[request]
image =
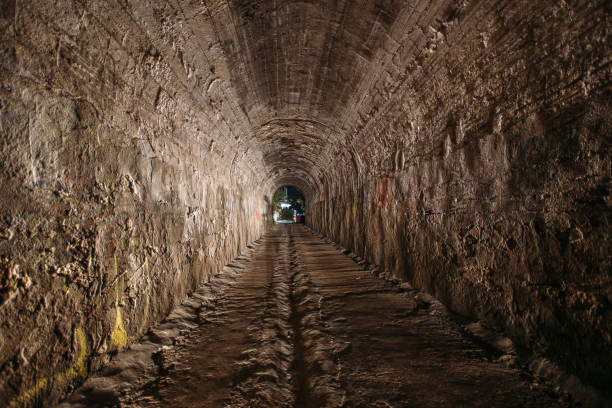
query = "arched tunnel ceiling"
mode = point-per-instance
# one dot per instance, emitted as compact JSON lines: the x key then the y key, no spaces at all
{"x":297,"y":69}
{"x":462,"y":145}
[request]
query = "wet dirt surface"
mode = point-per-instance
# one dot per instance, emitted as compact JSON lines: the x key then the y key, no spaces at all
{"x":303,"y":325}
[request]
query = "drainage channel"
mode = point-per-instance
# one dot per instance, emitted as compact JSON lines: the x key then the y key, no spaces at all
{"x":301,"y":388}
{"x":303,"y":396}
{"x":316,"y":373}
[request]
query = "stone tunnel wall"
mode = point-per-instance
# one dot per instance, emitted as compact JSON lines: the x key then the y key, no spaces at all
{"x":461,"y":145}
{"x":482,"y":173}
{"x":118,"y":196}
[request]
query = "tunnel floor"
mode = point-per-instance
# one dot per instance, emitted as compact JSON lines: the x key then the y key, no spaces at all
{"x":303,"y":325}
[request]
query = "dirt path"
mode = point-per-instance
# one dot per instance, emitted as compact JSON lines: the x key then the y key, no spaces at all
{"x":399,"y":347}
{"x":303,"y":325}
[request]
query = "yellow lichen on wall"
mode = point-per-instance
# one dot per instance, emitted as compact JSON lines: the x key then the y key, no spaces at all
{"x":119,"y":337}
{"x":29,"y":394}
{"x":79,"y":369}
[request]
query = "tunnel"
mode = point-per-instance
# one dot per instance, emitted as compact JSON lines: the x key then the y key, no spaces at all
{"x":454,"y":161}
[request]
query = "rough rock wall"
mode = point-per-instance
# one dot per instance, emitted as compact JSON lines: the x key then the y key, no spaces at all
{"x":482,"y":170}
{"x":121,"y":187}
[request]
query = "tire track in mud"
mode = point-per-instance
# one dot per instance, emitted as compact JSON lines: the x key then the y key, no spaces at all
{"x":290,"y":363}
{"x":199,"y":371}
{"x":262,"y":376}
{"x":136,"y":376}
{"x":317,"y":383}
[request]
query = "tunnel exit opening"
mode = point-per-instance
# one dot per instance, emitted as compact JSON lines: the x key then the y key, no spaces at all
{"x":288,"y":206}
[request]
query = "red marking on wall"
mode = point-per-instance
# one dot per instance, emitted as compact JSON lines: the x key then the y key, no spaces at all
{"x":68,"y":178}
{"x":384,"y":193}
{"x":257,"y":213}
